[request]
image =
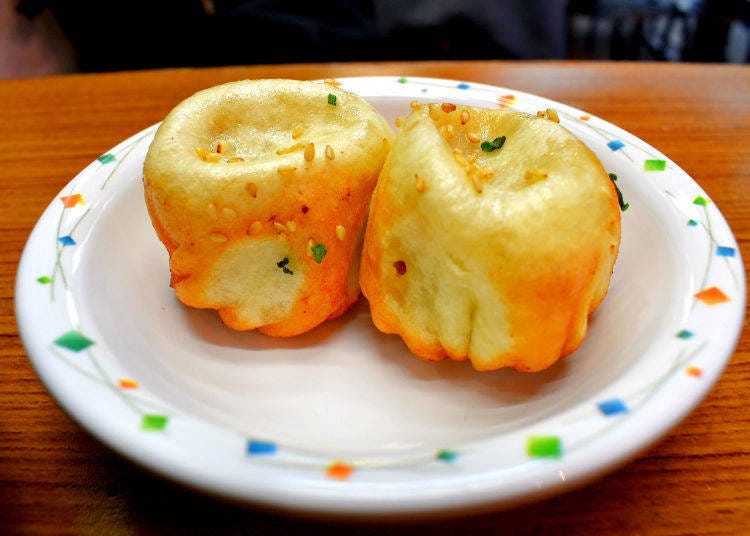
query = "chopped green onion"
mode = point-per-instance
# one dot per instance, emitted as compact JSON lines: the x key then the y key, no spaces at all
{"x":489,"y":146}
{"x":282,"y":264}
{"x":332,"y":99}
{"x":623,"y":205}
{"x":319,"y":251}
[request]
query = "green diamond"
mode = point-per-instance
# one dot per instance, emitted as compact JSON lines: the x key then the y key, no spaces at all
{"x":655,"y":165}
{"x":445,"y":455}
{"x":543,"y":446}
{"x":44,"y":280}
{"x":107,"y":158}
{"x":154,"y":423}
{"x":73,"y":340}
{"x":700,"y":200}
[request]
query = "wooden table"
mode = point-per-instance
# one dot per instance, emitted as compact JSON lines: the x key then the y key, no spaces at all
{"x":54,"y":477}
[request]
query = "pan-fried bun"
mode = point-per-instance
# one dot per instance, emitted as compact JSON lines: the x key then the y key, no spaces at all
{"x":492,"y":237}
{"x":259,"y":190}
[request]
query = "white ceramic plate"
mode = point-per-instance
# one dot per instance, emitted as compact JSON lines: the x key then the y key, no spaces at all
{"x":344,"y":420}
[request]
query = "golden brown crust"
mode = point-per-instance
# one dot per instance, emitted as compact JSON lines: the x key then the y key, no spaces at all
{"x":498,"y":257}
{"x":259,"y":221}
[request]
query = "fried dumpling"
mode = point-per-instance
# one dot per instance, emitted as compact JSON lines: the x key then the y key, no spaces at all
{"x":492,"y":237}
{"x":259,"y":190}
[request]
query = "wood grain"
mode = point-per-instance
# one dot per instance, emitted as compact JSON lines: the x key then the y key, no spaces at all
{"x":54,"y":478}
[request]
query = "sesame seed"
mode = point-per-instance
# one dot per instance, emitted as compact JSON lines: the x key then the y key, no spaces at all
{"x":290,"y":149}
{"x":540,"y":114}
{"x":340,"y":232}
{"x":217,"y":237}
{"x":280,"y":227}
{"x":534,"y":175}
{"x":465,"y":116}
{"x":228,"y":213}
{"x":414,"y":105}
{"x":310,"y":152}
{"x":291,"y":226}
{"x":211,"y":207}
{"x":201,"y":152}
{"x":419,"y":183}
{"x":310,"y":245}
{"x":448,"y":107}
{"x":473,"y":137}
{"x":399,"y":121}
{"x":297,"y":132}
{"x":252,"y":189}
{"x":476,"y":182}
{"x":473,"y":157}
{"x":212,"y":157}
{"x":255,"y":227}
{"x":286,"y":168}
{"x":222,"y":147}
{"x":330,"y":155}
{"x":236,"y":160}
{"x":552,"y":115}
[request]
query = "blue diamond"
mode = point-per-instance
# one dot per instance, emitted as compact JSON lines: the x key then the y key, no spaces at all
{"x":616,"y":145}
{"x":723,"y":251}
{"x":612,"y":407}
{"x":67,"y":240}
{"x":261,"y":448}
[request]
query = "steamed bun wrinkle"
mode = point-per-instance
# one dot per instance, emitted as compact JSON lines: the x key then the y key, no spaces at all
{"x":259,"y":191}
{"x":498,"y":256}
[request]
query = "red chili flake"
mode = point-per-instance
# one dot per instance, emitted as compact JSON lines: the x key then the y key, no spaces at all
{"x":305,"y":208}
{"x":400,"y":267}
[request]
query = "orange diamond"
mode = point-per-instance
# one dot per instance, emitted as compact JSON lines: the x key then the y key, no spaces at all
{"x":128,"y":384}
{"x":69,"y":201}
{"x":506,"y":101}
{"x":712,"y":296}
{"x":339,"y":470}
{"x":694,"y":371}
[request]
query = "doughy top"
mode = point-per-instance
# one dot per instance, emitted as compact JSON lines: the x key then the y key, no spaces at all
{"x":258,"y":119}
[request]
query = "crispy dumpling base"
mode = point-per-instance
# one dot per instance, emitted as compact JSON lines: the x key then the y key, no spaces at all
{"x":259,"y":190}
{"x":497,"y":257}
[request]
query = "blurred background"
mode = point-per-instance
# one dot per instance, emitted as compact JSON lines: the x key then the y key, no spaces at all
{"x":43,"y":37}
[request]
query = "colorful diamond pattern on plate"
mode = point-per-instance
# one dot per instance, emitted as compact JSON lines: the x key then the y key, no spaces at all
{"x":654,"y":165}
{"x":712,"y":296}
{"x":154,"y":423}
{"x":73,"y":340}
{"x":339,"y":470}
{"x":544,"y":446}
{"x":536,"y":446}
{"x":613,"y":406}
{"x":70,"y":201}
{"x":256,"y":447}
